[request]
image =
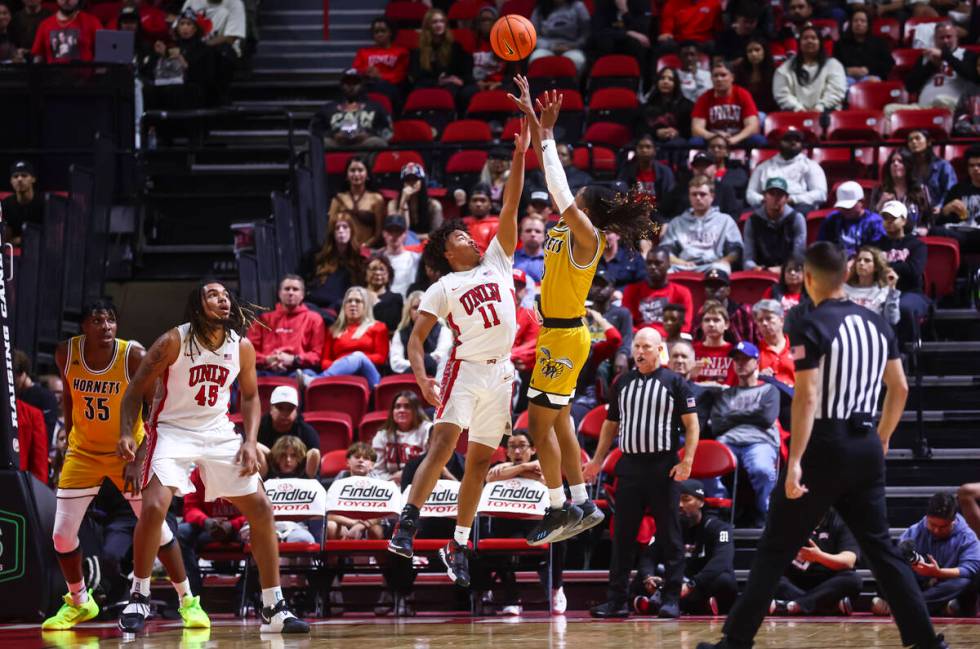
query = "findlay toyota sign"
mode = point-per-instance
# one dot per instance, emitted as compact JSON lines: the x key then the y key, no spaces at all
{"x":296,"y":497}
{"x":364,"y":497}
{"x":518,"y":497}
{"x":443,"y":502}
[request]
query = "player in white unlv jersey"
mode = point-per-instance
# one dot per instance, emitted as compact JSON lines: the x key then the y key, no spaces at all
{"x":475,"y":295}
{"x":194,"y":366}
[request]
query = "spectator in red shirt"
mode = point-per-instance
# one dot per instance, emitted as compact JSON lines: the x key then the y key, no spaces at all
{"x":68,"y":35}
{"x":356,"y":344}
{"x":205,"y":521}
{"x":727,"y":110}
{"x":689,"y":20}
{"x":384,"y":65}
{"x":646,"y":299}
{"x":713,"y":352}
{"x":32,"y":438}
{"x":522,"y":354}
{"x":290,"y":337}
{"x":775,"y":359}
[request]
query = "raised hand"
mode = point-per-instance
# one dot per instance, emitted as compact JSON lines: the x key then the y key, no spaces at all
{"x":524,"y":101}
{"x":550,"y":106}
{"x":522,"y":139}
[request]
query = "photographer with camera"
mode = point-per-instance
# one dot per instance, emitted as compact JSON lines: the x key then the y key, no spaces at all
{"x":945,"y":555}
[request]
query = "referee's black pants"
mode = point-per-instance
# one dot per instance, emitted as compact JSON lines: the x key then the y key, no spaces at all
{"x":845,"y":471}
{"x":644,"y":481}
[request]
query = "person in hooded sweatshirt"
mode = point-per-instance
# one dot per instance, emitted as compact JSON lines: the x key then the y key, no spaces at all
{"x":775,"y":231}
{"x":702,"y":237}
{"x":805,"y":179}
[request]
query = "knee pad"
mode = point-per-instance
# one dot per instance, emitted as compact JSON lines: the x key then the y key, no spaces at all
{"x":166,"y":535}
{"x":67,"y":520}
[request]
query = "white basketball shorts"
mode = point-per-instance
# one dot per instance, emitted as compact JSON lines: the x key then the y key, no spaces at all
{"x":173,"y":454}
{"x":477,"y":395}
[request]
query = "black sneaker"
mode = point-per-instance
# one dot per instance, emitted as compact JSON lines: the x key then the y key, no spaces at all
{"x":455,"y":557}
{"x":554,"y":523}
{"x":610,"y":609}
{"x":670,"y":609}
{"x":403,"y":537}
{"x":591,"y":516}
{"x":279,"y":619}
{"x":133,"y":617}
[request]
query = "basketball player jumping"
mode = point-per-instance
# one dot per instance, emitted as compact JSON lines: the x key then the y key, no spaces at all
{"x":196,"y":364}
{"x":571,"y":255}
{"x":476,"y":297}
{"x":96,"y":367}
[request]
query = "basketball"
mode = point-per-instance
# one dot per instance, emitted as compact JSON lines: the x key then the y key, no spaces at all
{"x":513,"y":37}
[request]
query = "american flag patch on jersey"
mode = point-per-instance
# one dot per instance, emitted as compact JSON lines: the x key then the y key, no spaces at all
{"x":690,"y":402}
{"x":798,"y":352}
{"x":227,"y":357}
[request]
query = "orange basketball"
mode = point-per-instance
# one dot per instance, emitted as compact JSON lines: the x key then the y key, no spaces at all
{"x":513,"y":37}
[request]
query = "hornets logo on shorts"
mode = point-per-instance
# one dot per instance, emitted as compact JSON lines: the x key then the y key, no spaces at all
{"x":553,"y":368}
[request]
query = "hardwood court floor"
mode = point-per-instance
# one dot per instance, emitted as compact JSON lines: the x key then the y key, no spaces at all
{"x":531,"y":632}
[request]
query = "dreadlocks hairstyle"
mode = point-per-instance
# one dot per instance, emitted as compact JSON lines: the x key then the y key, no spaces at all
{"x":102,"y":304}
{"x":434,"y":254}
{"x":626,"y":214}
{"x":240,"y":317}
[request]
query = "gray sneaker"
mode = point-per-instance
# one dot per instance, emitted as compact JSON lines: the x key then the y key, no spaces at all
{"x":591,"y":516}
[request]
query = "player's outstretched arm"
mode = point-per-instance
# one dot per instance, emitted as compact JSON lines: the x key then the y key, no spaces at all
{"x":507,"y":232}
{"x":416,"y":356}
{"x":248,"y":387}
{"x":161,"y":355}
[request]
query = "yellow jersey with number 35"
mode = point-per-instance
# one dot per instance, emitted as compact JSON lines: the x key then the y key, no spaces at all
{"x":565,"y":285}
{"x":96,"y":399}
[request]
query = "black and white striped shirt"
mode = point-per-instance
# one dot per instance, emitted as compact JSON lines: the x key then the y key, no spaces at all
{"x":850,"y":346}
{"x":648,"y":408}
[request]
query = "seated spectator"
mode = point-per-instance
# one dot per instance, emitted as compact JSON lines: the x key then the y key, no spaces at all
{"x":68,"y":35}
{"x":288,"y":458}
{"x":936,"y":174}
{"x":360,"y":463}
{"x":646,"y":299}
{"x":354,"y":120}
{"x":789,"y":290}
{"x":539,"y":204}
{"x":205,"y":522}
{"x":806,"y":183}
{"x":530,"y":256}
{"x":732,"y":41}
{"x":479,"y":205}
{"x":945,"y":554}
{"x":153,"y":21}
{"x":620,"y":265}
{"x":182,"y":74}
{"x":727,"y":110}
{"x":526,"y":339}
{"x":9,"y":53}
{"x":712,"y":352}
{"x":702,"y":237}
{"x":966,"y":117}
{"x":743,"y":418}
{"x":945,"y":72}
{"x":644,"y":172}
{"x":726,"y":171}
{"x":404,"y":436}
{"x":755,"y":73}
{"x":865,"y":57}
{"x":494,"y":175}
{"x":377,"y":280}
{"x":439,"y":60}
{"x":684,"y":362}
{"x":489,"y":71}
{"x":774,"y":231}
{"x":285,"y":420}
{"x":423,"y":214}
{"x":961,"y":213}
{"x":899,"y":182}
{"x":384,"y":64}
{"x":871,"y":283}
{"x":709,"y":561}
{"x":25,"y":23}
{"x":32,"y":436}
{"x":689,"y":20}
{"x":703,"y":164}
{"x":694,"y":79}
{"x":851,"y":226}
{"x":810,"y":80}
{"x":228,"y":24}
{"x":356,"y":343}
{"x":334,"y":268}
{"x":775,"y":357}
{"x":24,"y":205}
{"x":674,"y":316}
{"x":437,"y":346}
{"x":404,"y":263}
{"x":607,"y":344}
{"x":906,"y":255}
{"x":563,"y":29}
{"x":622,"y":28}
{"x":361,"y":201}
{"x":34,"y":394}
{"x":56,"y":386}
{"x":667,"y":115}
{"x":290,"y":337}
{"x":822,"y":580}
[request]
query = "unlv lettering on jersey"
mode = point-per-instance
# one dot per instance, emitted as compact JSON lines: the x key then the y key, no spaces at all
{"x":212,"y":373}
{"x":478,"y":295}
{"x":725,"y":113}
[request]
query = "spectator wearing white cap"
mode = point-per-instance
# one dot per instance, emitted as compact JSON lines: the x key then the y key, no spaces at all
{"x":906,"y":254}
{"x":284,"y":419}
{"x":530,"y":256}
{"x":539,"y":203}
{"x":806,"y":183}
{"x":851,"y":225}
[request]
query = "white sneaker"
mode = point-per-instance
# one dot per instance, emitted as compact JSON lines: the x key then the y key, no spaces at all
{"x":880,"y":607}
{"x":513,"y":609}
{"x":558,"y":602}
{"x":279,"y":619}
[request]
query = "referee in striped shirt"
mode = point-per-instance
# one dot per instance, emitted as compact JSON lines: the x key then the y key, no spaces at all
{"x":646,"y":409}
{"x":843,"y":353}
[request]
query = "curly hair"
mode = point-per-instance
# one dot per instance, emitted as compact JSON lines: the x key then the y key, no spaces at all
{"x":628,"y":215}
{"x":434,"y":254}
{"x":240,"y":317}
{"x":880,"y":266}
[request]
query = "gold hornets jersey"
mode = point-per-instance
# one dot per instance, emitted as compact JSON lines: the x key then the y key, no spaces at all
{"x":96,"y":399}
{"x":565,"y":285}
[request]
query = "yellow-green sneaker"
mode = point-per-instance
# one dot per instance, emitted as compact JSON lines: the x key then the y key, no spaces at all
{"x":192,"y":613}
{"x":69,"y":615}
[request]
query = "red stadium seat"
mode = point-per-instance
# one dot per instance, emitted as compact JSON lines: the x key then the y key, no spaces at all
{"x":828,"y":28}
{"x":434,"y":105}
{"x":693,"y":282}
{"x":411,"y":131}
{"x":483,"y":231}
{"x":389,"y":386}
{"x":759,"y":156}
{"x":591,"y":423}
{"x":511,"y":128}
{"x":408,"y":38}
{"x":371,"y":423}
{"x":712,"y":459}
{"x":572,"y":116}
{"x":334,"y":429}
{"x":936,"y":121}
{"x":813,"y":222}
{"x":106,"y":12}
{"x":346,"y":394}
{"x":748,"y":286}
{"x":912,"y":23}
{"x":464,"y":11}
{"x":522,"y":421}
{"x":595,"y":160}
{"x":806,"y":121}
{"x":406,"y":14}
{"x":552,"y":72}
{"x":613,"y":105}
{"x":874,"y":95}
{"x":615,"y":70}
{"x":942,"y":264}
{"x":383,"y":100}
{"x":862,"y":125}
{"x":905,"y":60}
{"x":490,"y":105}
{"x":463,"y":167}
{"x":466,"y":131}
{"x":956,"y":155}
{"x":842,"y":163}
{"x":333,"y":462}
{"x":887,"y":28}
{"x":266,"y":384}
{"x":610,"y":134}
{"x":336,"y":163}
{"x":520,"y":7}
{"x":388,"y":166}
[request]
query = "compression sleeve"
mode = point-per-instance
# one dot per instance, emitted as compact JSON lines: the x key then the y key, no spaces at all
{"x":554,"y":176}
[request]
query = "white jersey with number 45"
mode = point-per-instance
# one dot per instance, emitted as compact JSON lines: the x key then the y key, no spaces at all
{"x":479,"y":305}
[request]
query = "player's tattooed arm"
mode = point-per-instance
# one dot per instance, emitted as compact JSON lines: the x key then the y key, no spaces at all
{"x":61,"y":359}
{"x":161,"y":355}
